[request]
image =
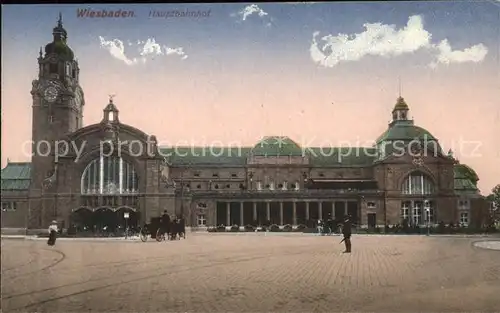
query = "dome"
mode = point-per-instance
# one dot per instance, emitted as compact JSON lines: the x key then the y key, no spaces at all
{"x":463,"y":171}
{"x":276,"y":146}
{"x":406,"y":131}
{"x":60,"y":48}
{"x":401,"y":104}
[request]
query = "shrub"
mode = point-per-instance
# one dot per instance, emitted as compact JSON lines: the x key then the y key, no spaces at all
{"x":235,"y":228}
{"x":221,"y":228}
{"x":274,"y":228}
{"x":249,"y":228}
{"x":301,"y":227}
{"x":212,"y":229}
{"x":288,"y":228}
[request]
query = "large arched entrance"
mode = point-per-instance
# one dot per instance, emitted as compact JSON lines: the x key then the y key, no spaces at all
{"x":132,"y":220}
{"x":81,"y":219}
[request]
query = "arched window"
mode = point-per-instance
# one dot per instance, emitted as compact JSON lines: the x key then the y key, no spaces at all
{"x":417,"y":184}
{"x":109,"y":175}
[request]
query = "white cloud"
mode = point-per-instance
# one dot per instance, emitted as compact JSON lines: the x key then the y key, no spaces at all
{"x":251,"y":9}
{"x":148,"y":49}
{"x":386,"y":40}
{"x":475,"y":54}
{"x":117,"y":50}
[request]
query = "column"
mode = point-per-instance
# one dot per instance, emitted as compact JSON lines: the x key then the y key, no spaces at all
{"x":254,"y":211}
{"x":333,"y":210}
{"x":345,"y":208}
{"x":307,"y":210}
{"x":121,"y":175}
{"x":294,"y":212}
{"x":228,"y":213}
{"x":281,"y":212}
{"x":268,"y":211}
{"x":242,"y":221}
{"x":320,"y":210}
{"x":101,"y":174}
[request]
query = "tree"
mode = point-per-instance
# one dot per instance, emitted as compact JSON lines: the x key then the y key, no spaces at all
{"x":495,"y":196}
{"x":495,"y":199}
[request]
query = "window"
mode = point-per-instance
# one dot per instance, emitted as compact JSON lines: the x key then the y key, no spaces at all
{"x":267,"y":186}
{"x":417,"y":213}
{"x":216,"y":186}
{"x":68,"y":70}
{"x":188,"y":185}
{"x":196,"y":174}
{"x":242,"y":187}
{"x":9,"y":206}
{"x":77,"y":122}
{"x":198,"y":186}
{"x":293,"y":186}
{"x":463,"y":204}
{"x":228,"y":186}
{"x":405,"y":211}
{"x":73,"y":73}
{"x":464,"y":218}
{"x":215,"y":175}
{"x":201,"y":220}
{"x":111,"y":116}
{"x":259,"y":185}
{"x":430,"y":215}
{"x":234,"y":175}
{"x":321,"y":175}
{"x":109,"y":175}
{"x":280,"y":186}
{"x":417,"y":184}
{"x":371,"y":205}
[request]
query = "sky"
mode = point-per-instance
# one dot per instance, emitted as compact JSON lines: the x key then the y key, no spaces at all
{"x":226,"y":74}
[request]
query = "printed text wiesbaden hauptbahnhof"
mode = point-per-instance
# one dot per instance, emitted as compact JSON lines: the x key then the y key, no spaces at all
{"x":90,"y":13}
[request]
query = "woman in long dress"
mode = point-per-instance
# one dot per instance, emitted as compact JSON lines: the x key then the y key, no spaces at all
{"x":52,"y":233}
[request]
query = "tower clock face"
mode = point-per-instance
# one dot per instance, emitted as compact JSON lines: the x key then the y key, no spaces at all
{"x":50,"y":94}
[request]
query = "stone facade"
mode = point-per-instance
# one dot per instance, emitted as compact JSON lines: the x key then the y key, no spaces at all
{"x":276,"y":181}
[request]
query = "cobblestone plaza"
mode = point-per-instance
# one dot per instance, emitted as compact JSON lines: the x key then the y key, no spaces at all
{"x":252,"y":273}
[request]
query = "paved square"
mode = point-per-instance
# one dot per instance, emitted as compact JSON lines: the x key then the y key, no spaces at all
{"x":251,"y":273}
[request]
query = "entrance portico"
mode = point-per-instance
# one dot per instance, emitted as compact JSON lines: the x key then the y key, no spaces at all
{"x":283,"y":212}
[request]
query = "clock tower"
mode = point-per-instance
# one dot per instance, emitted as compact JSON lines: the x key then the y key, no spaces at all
{"x":57,"y":102}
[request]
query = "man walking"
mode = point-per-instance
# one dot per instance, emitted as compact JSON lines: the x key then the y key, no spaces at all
{"x":346,"y":231}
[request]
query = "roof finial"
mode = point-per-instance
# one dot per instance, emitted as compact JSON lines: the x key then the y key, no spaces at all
{"x":111,"y":98}
{"x":59,"y":22}
{"x":41,"y":53}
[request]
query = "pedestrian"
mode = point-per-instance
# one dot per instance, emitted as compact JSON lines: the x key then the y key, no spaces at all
{"x":346,"y":231}
{"x":52,"y":233}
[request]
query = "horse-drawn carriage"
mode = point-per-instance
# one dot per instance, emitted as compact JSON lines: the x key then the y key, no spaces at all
{"x":164,"y":229}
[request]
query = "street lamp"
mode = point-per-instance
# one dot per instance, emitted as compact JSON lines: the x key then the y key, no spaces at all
{"x":428,"y":214}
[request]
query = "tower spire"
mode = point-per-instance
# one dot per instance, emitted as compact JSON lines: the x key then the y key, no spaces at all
{"x":399,"y":83}
{"x":59,"y":22}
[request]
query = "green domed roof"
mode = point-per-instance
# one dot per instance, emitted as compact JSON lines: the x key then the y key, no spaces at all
{"x":60,"y":48}
{"x":276,"y":146}
{"x":406,"y":131}
{"x":463,"y":171}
